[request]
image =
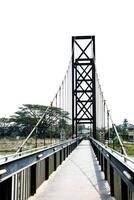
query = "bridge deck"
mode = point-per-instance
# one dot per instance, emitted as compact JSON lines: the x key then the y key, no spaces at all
{"x":79,"y":177}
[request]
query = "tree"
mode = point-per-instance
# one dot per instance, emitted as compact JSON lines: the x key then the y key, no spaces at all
{"x":125,"y":129}
{"x":29,"y":114}
{"x":125,"y":123}
{"x":5,"y":126}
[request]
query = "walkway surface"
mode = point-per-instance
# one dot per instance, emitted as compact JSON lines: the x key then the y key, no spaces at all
{"x":78,"y":178}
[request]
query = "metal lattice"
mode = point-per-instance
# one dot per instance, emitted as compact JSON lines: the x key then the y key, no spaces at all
{"x":83,"y":82}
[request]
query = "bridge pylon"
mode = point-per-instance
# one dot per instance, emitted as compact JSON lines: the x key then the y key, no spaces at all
{"x":83,"y":83}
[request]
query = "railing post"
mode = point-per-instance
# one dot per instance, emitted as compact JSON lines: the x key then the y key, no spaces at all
{"x":64,"y":154}
{"x":124,"y":191}
{"x":33,"y":179}
{"x":111,"y":180}
{"x":55,"y":162}
{"x":67,"y":150}
{"x":105,"y":168}
{"x":61,"y":156}
{"x":101,"y":162}
{"x":46,"y":168}
{"x":5,"y":189}
{"x":99,"y":157}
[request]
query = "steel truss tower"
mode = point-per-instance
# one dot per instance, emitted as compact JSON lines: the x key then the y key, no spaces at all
{"x":83,"y":83}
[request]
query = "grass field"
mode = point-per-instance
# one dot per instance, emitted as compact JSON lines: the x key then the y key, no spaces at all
{"x":129,"y":147}
{"x":8,"y":146}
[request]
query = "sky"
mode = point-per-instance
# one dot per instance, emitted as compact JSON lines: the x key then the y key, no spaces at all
{"x":35,"y":49}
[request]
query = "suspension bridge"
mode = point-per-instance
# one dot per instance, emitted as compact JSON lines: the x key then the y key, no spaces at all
{"x":84,"y":166}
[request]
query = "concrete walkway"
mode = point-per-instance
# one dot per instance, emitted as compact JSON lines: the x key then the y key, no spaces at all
{"x":78,"y":178}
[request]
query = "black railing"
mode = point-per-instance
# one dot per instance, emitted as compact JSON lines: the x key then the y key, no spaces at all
{"x":118,"y":170}
{"x":21,"y":174}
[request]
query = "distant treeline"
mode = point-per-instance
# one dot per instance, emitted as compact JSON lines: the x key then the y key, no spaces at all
{"x":23,"y":121}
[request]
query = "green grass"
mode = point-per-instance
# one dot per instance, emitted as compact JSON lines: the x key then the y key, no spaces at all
{"x":128,"y":147}
{"x":10,"y":145}
{"x":6,"y":152}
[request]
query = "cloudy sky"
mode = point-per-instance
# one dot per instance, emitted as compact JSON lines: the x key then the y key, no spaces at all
{"x":35,"y":48}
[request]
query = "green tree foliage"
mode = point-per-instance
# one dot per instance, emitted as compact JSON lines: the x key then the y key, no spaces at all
{"x":5,"y":126}
{"x":125,"y":123}
{"x":28,"y":115}
{"x":123,"y":129}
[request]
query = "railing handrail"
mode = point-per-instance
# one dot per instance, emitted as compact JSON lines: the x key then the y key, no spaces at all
{"x":37,"y":150}
{"x":112,"y":150}
{"x":114,"y":165}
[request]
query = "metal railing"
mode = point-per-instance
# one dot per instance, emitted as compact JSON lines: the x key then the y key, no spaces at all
{"x":118,"y":170}
{"x":22,"y":173}
{"x":26,"y":152}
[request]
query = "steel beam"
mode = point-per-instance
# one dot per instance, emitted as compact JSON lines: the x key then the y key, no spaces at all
{"x":83,"y":83}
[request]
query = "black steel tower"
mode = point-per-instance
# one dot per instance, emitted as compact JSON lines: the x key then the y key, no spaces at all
{"x":83,"y":83}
